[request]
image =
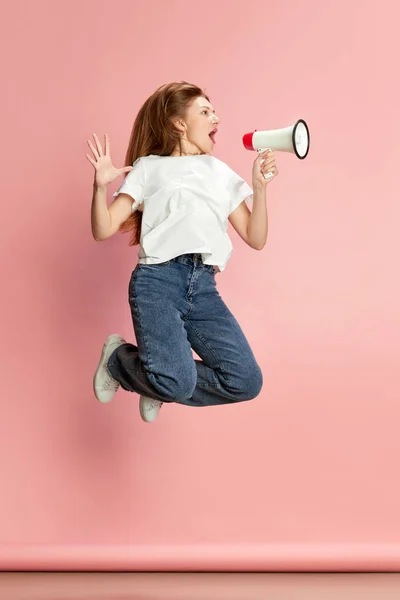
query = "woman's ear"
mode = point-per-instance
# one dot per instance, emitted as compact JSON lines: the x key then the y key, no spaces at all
{"x":180,"y":125}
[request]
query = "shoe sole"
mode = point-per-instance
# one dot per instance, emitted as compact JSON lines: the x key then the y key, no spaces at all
{"x":101,"y":365}
{"x":144,"y":417}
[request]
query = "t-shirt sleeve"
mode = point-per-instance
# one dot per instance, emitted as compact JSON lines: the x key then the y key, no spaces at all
{"x":239,"y":190}
{"x":134,"y":184}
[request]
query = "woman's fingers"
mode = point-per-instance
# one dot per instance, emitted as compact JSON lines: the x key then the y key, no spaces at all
{"x":266,"y":158}
{"x":268,"y":163}
{"x":93,"y":149}
{"x":271,"y":170}
{"x":91,"y":160}
{"x":267,"y":168}
{"x":106,"y":145}
{"x":99,"y":148}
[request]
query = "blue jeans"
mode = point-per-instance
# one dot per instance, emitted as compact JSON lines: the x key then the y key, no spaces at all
{"x":175,"y":307}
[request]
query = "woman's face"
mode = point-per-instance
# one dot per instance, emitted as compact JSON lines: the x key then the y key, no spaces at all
{"x":199,"y":123}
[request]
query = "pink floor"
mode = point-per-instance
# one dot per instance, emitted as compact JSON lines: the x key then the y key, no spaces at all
{"x":187,"y":586}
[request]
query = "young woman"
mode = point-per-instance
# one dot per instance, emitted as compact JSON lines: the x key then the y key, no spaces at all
{"x":176,"y":200}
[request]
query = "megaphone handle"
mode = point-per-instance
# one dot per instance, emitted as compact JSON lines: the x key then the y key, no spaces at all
{"x":266,"y":175}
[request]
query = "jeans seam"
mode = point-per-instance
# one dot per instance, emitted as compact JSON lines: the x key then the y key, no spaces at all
{"x":148,"y":356}
{"x":209,"y":385}
{"x":204,"y":342}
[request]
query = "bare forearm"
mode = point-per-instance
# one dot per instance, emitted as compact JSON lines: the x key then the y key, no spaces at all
{"x":101,"y":222}
{"x":257,"y":229}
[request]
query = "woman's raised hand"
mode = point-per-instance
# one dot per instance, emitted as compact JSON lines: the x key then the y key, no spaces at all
{"x":105,"y":172}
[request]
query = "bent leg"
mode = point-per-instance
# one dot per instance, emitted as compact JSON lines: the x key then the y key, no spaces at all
{"x":228,"y":371}
{"x":161,"y":366}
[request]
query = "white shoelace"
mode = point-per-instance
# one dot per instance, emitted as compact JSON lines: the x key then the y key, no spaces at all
{"x":151,"y":404}
{"x":110,"y":383}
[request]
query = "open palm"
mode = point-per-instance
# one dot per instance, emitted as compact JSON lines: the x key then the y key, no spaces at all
{"x":105,"y":172}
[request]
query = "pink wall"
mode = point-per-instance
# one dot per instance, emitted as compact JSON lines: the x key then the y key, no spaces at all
{"x":306,"y":476}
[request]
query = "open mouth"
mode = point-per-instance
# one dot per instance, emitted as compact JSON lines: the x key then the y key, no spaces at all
{"x":212,"y":135}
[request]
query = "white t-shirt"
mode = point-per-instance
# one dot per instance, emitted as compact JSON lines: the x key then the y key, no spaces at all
{"x":186,"y":201}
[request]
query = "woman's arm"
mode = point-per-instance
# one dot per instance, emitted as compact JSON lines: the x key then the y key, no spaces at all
{"x":257,"y":228}
{"x":252,"y":227}
{"x":106,"y":221}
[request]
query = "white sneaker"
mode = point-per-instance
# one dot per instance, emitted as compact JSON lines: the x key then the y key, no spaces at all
{"x":104,"y":384}
{"x":149,"y":408}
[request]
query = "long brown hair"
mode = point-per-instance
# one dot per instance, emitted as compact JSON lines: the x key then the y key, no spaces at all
{"x":153,"y":132}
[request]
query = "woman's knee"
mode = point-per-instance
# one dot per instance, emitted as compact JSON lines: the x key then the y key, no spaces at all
{"x":248,"y":384}
{"x":258,"y":381}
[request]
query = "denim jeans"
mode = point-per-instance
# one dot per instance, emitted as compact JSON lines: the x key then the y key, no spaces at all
{"x":175,"y":307}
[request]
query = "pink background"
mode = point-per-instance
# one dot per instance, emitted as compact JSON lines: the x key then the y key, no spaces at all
{"x":304,"y":477}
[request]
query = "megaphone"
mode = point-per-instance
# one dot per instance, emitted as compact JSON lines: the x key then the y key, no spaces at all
{"x":295,"y":139}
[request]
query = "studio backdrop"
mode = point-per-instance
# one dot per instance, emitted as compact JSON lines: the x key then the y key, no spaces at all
{"x":303,"y":477}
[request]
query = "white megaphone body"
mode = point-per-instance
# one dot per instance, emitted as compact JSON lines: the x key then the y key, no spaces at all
{"x":295,"y":139}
